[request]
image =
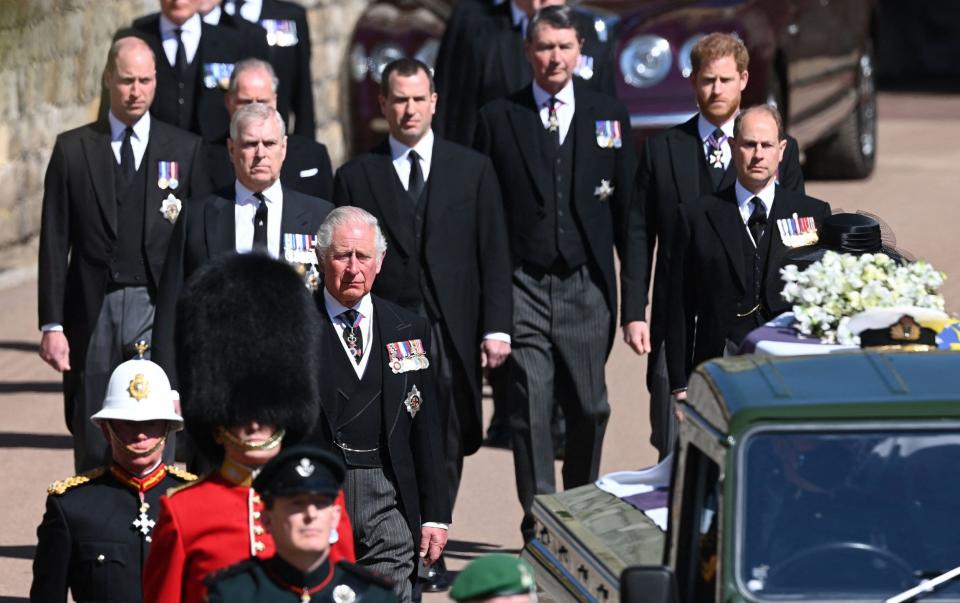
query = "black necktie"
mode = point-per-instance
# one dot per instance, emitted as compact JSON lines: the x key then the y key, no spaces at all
{"x":351,"y":334}
{"x":758,"y":220}
{"x":553,"y":122}
{"x":128,"y":165}
{"x":180,"y":66}
{"x":415,"y":187}
{"x":260,"y":225}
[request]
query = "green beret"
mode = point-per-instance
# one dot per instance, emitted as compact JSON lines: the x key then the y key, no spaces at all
{"x":493,"y":576}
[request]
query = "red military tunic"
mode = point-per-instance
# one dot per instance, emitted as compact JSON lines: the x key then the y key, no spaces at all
{"x":209,"y":526}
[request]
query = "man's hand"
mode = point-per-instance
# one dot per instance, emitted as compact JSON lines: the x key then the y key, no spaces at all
{"x":677,"y":411}
{"x":432,"y":541}
{"x":55,"y":350}
{"x":493,"y":353}
{"x":636,"y":334}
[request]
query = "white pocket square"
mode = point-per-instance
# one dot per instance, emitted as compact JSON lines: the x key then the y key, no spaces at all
{"x":308,"y":173}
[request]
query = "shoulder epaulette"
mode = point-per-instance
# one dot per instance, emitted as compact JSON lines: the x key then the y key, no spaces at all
{"x":181,"y":473}
{"x":366,"y":574}
{"x":231,"y":570}
{"x":177,"y":489}
{"x":59,"y":487}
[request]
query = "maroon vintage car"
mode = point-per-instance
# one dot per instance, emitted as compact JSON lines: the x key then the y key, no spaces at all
{"x":813,"y":58}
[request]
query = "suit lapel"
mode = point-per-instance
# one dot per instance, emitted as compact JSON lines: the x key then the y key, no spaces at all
{"x":443,"y":178}
{"x":383,"y":183}
{"x":328,"y":397}
{"x":100,"y":160}
{"x":585,"y":134}
{"x":725,"y":218}
{"x":527,"y":128}
{"x":295,"y":216}
{"x":392,"y":329}
{"x":771,"y":243}
{"x":158,"y":149}
{"x":685,"y":151}
{"x":220,"y":225}
{"x":729,"y":175}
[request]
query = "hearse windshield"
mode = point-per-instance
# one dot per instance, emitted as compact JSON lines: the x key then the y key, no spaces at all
{"x":847,"y":514}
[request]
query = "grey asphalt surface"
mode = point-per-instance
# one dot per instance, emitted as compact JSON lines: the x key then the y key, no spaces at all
{"x":915,"y":190}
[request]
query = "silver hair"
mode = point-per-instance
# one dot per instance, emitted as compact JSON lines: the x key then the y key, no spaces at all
{"x":258,"y":112}
{"x":349,"y":215}
{"x":250,"y":65}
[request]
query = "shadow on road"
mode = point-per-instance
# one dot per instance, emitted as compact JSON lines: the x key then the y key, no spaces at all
{"x":35,"y":440}
{"x":40,"y":387}
{"x":20,"y":346}
{"x":25,"y":551}
{"x":459,"y":549}
{"x":14,"y":600}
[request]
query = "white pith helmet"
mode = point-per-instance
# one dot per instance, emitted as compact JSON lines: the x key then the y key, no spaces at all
{"x":139,"y":390}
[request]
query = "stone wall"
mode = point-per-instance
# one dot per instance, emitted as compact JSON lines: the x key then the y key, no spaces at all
{"x":51,"y":57}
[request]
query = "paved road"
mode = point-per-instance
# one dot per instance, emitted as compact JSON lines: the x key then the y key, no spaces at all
{"x":914,"y":189}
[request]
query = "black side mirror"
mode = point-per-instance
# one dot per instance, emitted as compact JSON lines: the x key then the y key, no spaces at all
{"x":648,"y":584}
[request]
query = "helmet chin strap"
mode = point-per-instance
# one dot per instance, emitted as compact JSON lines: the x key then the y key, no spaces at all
{"x":268,"y":444}
{"x":116,"y":441}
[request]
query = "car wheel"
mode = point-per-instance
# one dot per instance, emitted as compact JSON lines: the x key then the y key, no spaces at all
{"x":851,"y":152}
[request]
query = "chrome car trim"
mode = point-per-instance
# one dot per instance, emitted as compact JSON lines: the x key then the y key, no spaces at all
{"x":659,"y":120}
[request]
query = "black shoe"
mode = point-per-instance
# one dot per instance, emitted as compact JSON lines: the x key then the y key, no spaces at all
{"x":436,"y":580}
{"x":499,"y":436}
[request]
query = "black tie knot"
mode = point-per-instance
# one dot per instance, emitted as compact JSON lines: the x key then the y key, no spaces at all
{"x":718,"y":134}
{"x":415,"y":184}
{"x":350,"y":317}
{"x":127,"y":161}
{"x":352,"y":335}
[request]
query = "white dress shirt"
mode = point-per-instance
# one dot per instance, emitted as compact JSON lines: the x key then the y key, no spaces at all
{"x":213,"y":17}
{"x":250,"y":10}
{"x":139,"y":139}
{"x":189,"y":33}
{"x":246,"y":207}
{"x":365,"y":308}
{"x":518,"y":16}
{"x":706,"y":129}
{"x":400,"y":152}
{"x":746,"y":208}
{"x":565,"y":107}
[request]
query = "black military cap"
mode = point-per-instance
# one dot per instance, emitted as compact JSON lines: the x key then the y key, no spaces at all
{"x":300,"y":470}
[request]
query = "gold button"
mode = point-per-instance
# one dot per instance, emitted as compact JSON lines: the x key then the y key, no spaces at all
{"x":258,"y":530}
{"x":259,"y":546}
{"x":256,"y":499}
{"x":256,"y":514}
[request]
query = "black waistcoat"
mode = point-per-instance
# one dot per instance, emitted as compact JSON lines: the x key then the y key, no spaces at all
{"x":358,"y":400}
{"x":559,"y":230}
{"x":185,"y":95}
{"x":753,"y":305}
{"x":128,"y":259}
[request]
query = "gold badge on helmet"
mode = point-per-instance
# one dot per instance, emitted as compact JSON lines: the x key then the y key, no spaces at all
{"x":139,"y":388}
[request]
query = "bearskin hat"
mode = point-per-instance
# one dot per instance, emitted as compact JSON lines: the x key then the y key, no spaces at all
{"x":247,"y":339}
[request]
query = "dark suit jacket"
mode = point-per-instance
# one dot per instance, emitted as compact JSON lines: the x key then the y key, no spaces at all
{"x":291,"y":63}
{"x":485,"y":44}
{"x":306,"y":168}
{"x":465,"y":259}
{"x":217,"y":45}
{"x":706,"y":295}
{"x":415,"y":444}
{"x":78,"y":227}
{"x":668,"y":177}
{"x":206,"y":230}
{"x":508,"y":132}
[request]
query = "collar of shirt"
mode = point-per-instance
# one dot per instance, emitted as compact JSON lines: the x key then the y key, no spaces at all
{"x":141,"y":135}
{"x":401,"y":163}
{"x":519,"y":17}
{"x":189,"y":32}
{"x":213,"y":16}
{"x":365,"y":308}
{"x":706,"y":128}
{"x":565,"y":109}
{"x":744,"y":196}
{"x":245,"y":208}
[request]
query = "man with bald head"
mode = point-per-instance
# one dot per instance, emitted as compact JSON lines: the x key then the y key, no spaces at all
{"x":253,"y":214}
{"x":307,"y":167}
{"x":112,"y":193}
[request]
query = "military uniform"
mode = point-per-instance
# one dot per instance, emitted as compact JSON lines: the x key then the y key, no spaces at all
{"x":96,"y":533}
{"x":192,"y":542}
{"x":270,"y":580}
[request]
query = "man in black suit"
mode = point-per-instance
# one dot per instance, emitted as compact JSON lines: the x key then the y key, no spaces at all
{"x":111,"y":195}
{"x":194,"y":63}
{"x":491,"y":50}
{"x":306,"y":168}
{"x":379,"y":410}
{"x":257,"y":213}
{"x":677,"y":167}
{"x":287,"y":33}
{"x":566,"y":163}
{"x":730,"y":246}
{"x":450,"y":263}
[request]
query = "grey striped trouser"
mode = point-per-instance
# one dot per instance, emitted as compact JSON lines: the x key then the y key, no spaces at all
{"x":382,"y":536}
{"x":559,"y":351}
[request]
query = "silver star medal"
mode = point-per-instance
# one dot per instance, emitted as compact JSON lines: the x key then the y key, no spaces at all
{"x":603,"y":191}
{"x":554,"y":123}
{"x":716,"y":158}
{"x":143,"y":522}
{"x":413,"y":402}
{"x":344,"y":594}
